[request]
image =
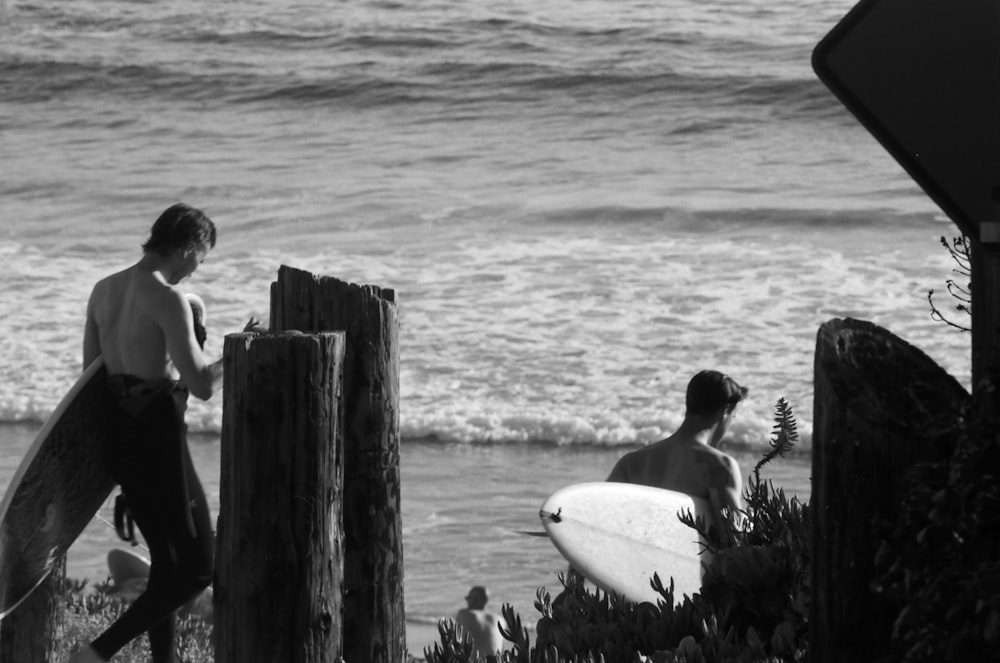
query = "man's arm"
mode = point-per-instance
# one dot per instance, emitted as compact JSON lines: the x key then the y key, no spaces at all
{"x":730,"y":493}
{"x":725,"y":491}
{"x":177,"y":322}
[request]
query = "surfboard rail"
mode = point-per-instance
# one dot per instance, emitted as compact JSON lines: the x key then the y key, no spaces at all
{"x":56,"y":489}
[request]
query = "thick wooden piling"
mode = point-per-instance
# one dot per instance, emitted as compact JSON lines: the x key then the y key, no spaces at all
{"x":374,"y":622}
{"x":278,"y":594}
{"x":32,"y":633}
{"x":880,"y":406}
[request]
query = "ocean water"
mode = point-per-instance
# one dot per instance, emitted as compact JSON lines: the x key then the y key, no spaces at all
{"x":579,"y":204}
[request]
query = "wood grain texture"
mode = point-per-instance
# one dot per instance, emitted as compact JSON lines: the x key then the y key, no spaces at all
{"x":278,"y":583}
{"x":880,"y":406}
{"x":374,"y":619}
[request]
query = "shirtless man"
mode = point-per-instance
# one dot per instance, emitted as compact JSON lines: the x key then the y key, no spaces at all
{"x":481,"y":625}
{"x":688,"y":461}
{"x":141,"y":324}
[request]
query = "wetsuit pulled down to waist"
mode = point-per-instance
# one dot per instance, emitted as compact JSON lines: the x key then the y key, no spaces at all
{"x":134,"y":395}
{"x":150,"y":440}
{"x":148,"y":456}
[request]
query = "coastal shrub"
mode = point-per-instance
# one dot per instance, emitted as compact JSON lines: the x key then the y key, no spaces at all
{"x":752,"y":608}
{"x":940,"y":561}
{"x":90,"y":610}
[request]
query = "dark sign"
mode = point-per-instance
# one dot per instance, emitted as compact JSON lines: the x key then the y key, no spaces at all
{"x":923,"y":76}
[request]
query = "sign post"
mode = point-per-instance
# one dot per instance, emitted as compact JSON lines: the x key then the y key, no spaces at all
{"x":985,"y":267}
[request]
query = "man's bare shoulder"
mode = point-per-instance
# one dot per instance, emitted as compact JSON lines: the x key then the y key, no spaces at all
{"x":706,"y":454}
{"x":720,"y":469}
{"x":109,"y":283}
{"x":152,"y":291}
{"x":625,"y":469}
{"x":133,"y":292}
{"x":162,"y":292}
{"x":118,"y":283}
{"x":107,"y":294}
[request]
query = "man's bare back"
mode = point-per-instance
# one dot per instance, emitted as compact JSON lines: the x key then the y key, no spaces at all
{"x":687,"y":467}
{"x":142,"y":325}
{"x":688,"y":461}
{"x":125,"y":308}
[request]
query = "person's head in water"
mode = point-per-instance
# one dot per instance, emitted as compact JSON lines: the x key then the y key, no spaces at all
{"x":714,"y":395}
{"x":183,"y":235}
{"x":477,"y":597}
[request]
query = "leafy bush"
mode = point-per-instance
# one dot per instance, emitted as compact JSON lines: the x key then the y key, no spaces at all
{"x":940,"y":561}
{"x":90,"y":611}
{"x":753,"y":606}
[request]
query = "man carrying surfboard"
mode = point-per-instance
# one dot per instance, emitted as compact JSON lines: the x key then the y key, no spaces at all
{"x":142,"y":326}
{"x":689,"y":461}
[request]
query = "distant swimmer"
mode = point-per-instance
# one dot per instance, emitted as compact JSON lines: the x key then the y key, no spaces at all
{"x":482,"y":625}
{"x":688,"y":461}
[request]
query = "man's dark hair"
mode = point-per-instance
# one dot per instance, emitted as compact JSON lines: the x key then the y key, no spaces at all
{"x":180,"y":227}
{"x":710,"y":390}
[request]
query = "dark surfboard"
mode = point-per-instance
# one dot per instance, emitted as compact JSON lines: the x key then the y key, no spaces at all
{"x":56,"y":490}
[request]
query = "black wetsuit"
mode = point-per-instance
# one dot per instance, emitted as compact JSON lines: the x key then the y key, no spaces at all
{"x":148,"y":456}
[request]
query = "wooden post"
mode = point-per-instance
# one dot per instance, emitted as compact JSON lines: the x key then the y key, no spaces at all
{"x":279,"y":559}
{"x":880,"y":406}
{"x":374,"y":621}
{"x":32,"y":633}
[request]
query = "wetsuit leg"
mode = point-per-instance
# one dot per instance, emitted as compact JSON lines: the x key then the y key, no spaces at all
{"x":161,"y":635}
{"x":149,"y":458}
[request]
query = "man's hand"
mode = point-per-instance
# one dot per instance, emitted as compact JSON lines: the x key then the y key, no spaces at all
{"x":254,"y":326}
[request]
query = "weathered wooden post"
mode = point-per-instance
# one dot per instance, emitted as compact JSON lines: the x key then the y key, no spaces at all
{"x":374,"y":621}
{"x":880,"y":406}
{"x":32,"y":633}
{"x":278,"y":593}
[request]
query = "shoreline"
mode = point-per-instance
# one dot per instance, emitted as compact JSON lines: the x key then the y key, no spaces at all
{"x":27,"y":429}
{"x":462,"y":508}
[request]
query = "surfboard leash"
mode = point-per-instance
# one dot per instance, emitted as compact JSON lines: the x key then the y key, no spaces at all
{"x":111,"y":525}
{"x":124,"y":523}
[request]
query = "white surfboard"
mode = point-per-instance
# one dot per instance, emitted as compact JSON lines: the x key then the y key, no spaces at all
{"x":617,"y":535}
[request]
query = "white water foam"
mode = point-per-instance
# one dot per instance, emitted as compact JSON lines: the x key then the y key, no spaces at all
{"x":566,"y":338}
